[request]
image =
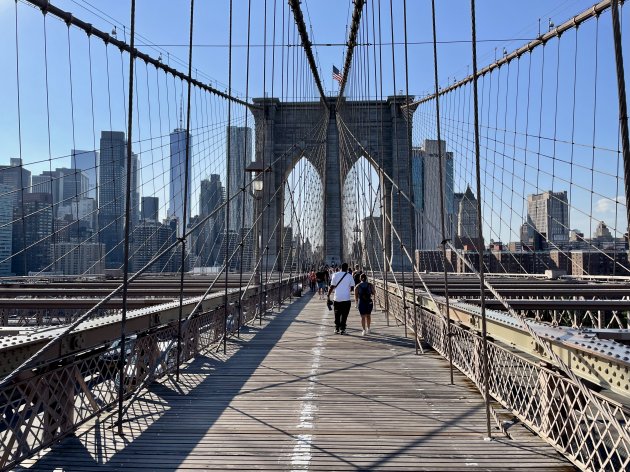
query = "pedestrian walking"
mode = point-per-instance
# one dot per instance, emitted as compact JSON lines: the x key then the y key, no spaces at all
{"x":363,"y":296}
{"x":322,"y":277}
{"x":356,"y":275}
{"x":342,"y":284}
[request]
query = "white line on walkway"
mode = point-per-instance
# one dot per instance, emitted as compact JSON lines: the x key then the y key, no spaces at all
{"x":301,"y":457}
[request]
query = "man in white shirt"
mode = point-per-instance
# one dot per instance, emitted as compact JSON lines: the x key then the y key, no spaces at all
{"x":342,"y":284}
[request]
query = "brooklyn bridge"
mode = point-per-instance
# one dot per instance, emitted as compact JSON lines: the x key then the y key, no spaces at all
{"x":180,"y":181}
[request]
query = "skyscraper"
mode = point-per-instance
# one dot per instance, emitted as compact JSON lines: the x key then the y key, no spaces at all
{"x":87,"y":162}
{"x":135,"y":194}
{"x":240,"y":155}
{"x":150,"y":238}
{"x":17,"y":178}
{"x":467,"y":226}
{"x":6,"y":229}
{"x":150,"y":208}
{"x":602,"y":232}
{"x":228,"y":254}
{"x":66,"y":186}
{"x":32,"y":234}
{"x":177,"y":176}
{"x":111,"y":195}
{"x":417,"y":182}
{"x":49,"y":182}
{"x":78,"y":258}
{"x":211,"y":197}
{"x":432,"y":215}
{"x":548,"y":213}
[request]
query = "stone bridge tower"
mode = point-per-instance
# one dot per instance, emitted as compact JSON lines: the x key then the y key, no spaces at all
{"x":287,"y":131}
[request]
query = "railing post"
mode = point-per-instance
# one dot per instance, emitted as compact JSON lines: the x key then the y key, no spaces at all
{"x":405,"y":307}
{"x":228,"y":188}
{"x":479,"y":219}
{"x":123,"y":322}
{"x":416,"y":333}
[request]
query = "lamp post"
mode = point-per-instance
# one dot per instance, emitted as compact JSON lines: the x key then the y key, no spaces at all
{"x":257,"y":171}
{"x":357,"y":249}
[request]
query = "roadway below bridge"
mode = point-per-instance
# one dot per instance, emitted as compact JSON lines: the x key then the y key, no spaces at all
{"x":47,"y":302}
{"x":292,"y":395}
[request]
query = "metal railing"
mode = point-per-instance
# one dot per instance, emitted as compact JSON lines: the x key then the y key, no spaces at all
{"x":45,"y":404}
{"x":545,"y":401}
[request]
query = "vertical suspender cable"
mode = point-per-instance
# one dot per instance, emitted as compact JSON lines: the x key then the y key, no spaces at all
{"x":184,"y":223}
{"x":244,"y":195}
{"x":266,"y":190}
{"x":123,"y":322}
{"x":395,"y":109}
{"x":386,"y":261}
{"x":280,"y":254}
{"x":623,"y":105}
{"x":226,"y":240}
{"x":409,"y":177}
{"x":262,"y":176}
{"x":76,"y":183}
{"x":19,"y":126}
{"x":442,"y":165}
{"x":54,"y":232}
{"x":482,"y":293}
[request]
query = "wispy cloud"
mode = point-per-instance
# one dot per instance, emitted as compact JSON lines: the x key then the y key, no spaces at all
{"x":609,"y":205}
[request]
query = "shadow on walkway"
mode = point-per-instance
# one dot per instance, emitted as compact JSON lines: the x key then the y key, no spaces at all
{"x":166,"y":405}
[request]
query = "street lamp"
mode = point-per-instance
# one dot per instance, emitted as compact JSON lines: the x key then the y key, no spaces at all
{"x":257,"y":187}
{"x":257,"y":169}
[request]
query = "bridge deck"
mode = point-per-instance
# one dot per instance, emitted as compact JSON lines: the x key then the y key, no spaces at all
{"x":291,"y":395}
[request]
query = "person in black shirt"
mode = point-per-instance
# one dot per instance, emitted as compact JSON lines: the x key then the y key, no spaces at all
{"x":322,"y":282}
{"x":363,"y":296}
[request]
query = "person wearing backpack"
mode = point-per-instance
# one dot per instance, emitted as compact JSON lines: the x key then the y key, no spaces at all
{"x":363,"y":296}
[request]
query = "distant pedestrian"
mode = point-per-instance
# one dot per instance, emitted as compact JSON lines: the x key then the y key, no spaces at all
{"x":342,"y":284}
{"x":312,"y":278}
{"x":363,"y":296}
{"x":321,"y":277}
{"x":356,"y":275}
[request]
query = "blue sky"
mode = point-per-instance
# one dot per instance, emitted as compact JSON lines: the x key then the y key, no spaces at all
{"x":165,"y":22}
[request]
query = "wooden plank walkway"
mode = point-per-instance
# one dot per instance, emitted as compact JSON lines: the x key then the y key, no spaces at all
{"x":291,"y":395}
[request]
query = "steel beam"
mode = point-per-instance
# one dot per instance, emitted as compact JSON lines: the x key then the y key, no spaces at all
{"x":306,"y":44}
{"x":352,"y":42}
{"x":98,"y":332}
{"x":603,"y":362}
{"x":574,"y":22}
{"x":69,"y":19}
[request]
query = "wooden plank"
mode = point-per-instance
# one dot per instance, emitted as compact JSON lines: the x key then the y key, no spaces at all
{"x":291,"y":395}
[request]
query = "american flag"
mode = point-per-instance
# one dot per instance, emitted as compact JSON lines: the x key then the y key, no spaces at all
{"x":337,"y":75}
